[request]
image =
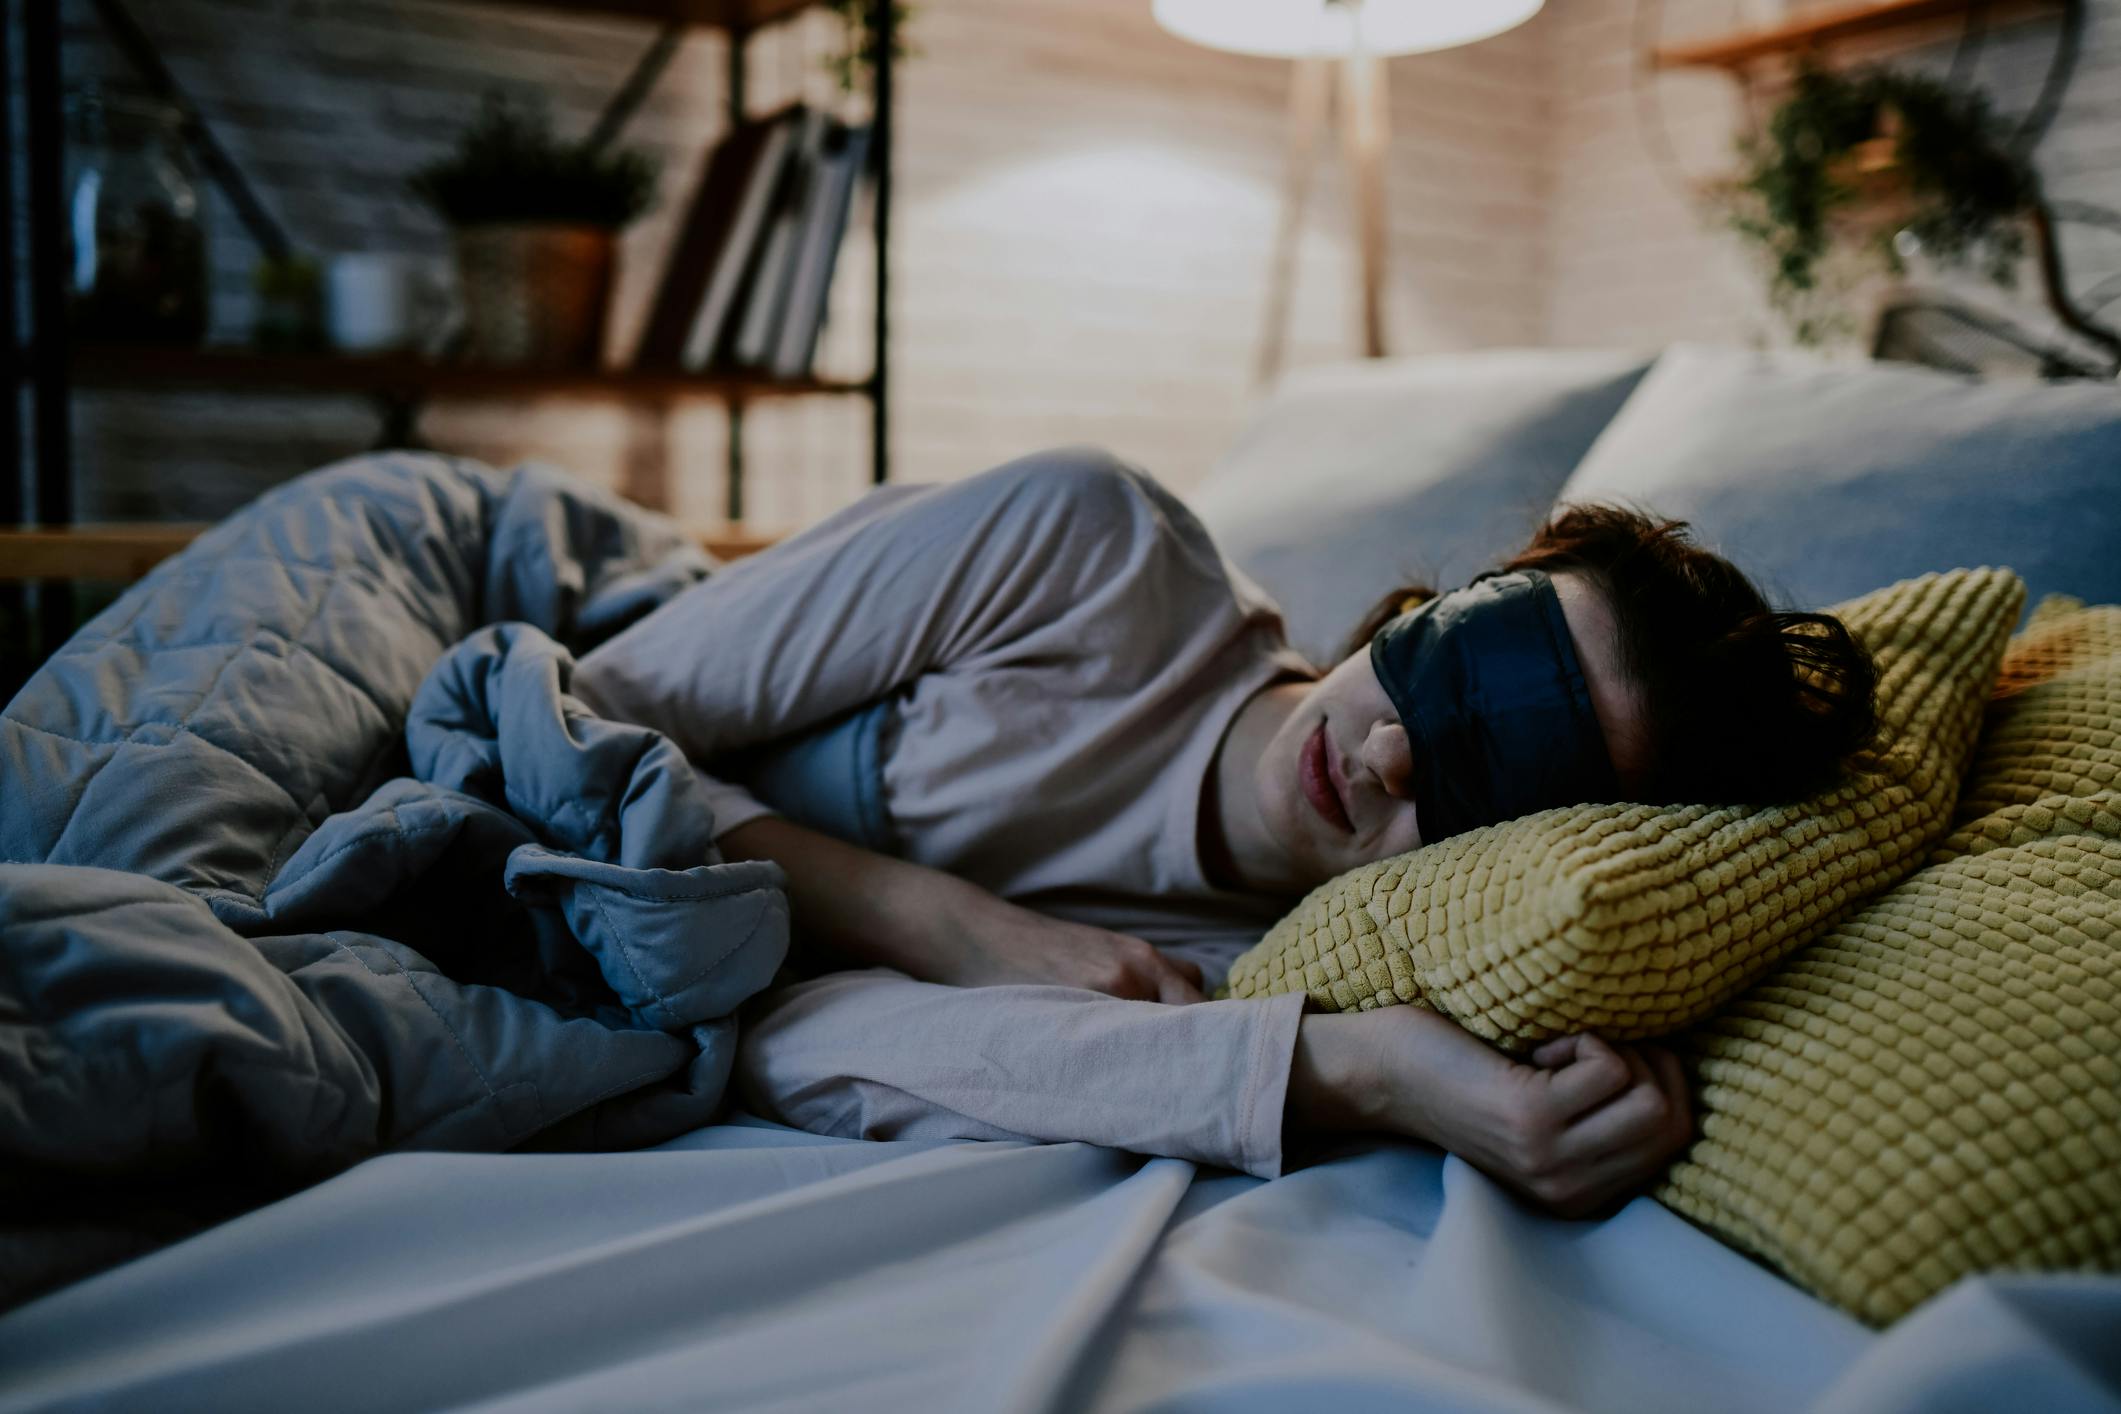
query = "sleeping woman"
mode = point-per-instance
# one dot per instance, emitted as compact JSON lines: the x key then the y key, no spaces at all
{"x":1073,"y":769}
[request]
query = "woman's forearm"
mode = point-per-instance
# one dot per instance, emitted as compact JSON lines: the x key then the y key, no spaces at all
{"x":1399,"y":1070}
{"x":867,"y":907}
{"x":1333,"y":1077}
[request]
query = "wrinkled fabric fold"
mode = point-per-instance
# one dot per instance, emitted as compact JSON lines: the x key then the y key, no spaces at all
{"x":745,"y":1266}
{"x":876,"y":1055}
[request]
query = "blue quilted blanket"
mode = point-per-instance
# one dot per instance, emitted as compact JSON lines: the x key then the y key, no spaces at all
{"x":306,"y":853}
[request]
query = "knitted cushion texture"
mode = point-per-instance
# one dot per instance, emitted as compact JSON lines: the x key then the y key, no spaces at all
{"x":1634,"y":920}
{"x":1933,"y":1088}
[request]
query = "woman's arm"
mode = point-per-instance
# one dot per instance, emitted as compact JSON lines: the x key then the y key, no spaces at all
{"x":1584,"y":1125}
{"x":873,"y":909}
{"x":1063,"y":553}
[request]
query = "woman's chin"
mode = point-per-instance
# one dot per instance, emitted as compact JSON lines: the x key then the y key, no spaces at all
{"x":1320,"y":849}
{"x":1330,"y":851}
{"x":1342,"y":860}
{"x":1300,"y":834}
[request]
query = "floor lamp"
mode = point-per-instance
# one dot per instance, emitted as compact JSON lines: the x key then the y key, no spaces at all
{"x":1360,"y":35}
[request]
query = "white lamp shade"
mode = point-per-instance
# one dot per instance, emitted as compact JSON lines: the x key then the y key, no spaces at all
{"x":1291,"y":29}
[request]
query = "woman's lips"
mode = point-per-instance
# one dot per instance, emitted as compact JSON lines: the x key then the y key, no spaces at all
{"x":1315,"y":774}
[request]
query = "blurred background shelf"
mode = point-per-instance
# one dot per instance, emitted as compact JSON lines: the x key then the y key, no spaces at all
{"x":54,"y":364}
{"x":56,"y":570}
{"x":119,"y":552}
{"x":1808,"y":30}
{"x":119,"y":366}
{"x":735,"y":15}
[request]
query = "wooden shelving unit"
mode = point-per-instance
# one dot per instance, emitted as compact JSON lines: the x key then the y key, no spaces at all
{"x":128,"y":366}
{"x":1807,"y":31}
{"x":114,"y":553}
{"x":37,"y":530}
{"x":712,"y":14}
{"x":119,"y":552}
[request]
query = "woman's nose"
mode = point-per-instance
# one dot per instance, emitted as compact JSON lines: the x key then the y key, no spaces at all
{"x":1390,"y":756}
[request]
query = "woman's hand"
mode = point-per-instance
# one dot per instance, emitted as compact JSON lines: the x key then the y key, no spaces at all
{"x":993,"y":942}
{"x":1585,"y":1125}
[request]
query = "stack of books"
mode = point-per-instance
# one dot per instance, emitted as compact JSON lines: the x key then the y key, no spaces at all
{"x":752,"y":263}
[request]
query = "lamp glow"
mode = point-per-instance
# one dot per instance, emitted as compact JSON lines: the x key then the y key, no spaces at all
{"x":1292,"y":29}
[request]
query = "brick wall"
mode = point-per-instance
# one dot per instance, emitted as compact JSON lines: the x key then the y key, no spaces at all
{"x":1084,"y":212}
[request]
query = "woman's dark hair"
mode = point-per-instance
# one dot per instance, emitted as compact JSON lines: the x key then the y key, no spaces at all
{"x":1744,"y":704}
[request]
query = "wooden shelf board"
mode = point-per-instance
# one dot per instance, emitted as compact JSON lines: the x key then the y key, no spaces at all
{"x":715,"y":14}
{"x":729,"y":540}
{"x":1803,"y":31}
{"x":124,"y":551}
{"x":120,"y":366}
{"x":102,"y":552}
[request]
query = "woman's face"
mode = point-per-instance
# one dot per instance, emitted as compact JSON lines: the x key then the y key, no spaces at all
{"x":1336,"y":780}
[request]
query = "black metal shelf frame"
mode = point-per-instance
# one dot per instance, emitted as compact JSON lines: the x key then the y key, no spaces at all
{"x":50,"y":498}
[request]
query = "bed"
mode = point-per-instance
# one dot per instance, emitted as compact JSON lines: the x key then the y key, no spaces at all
{"x":746,"y":1266}
{"x":740,"y":1264}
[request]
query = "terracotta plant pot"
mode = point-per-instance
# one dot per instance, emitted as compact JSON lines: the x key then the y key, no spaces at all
{"x":535,"y":294}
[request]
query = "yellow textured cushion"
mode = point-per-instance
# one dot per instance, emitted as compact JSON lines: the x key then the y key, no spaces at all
{"x":1934,"y":1087}
{"x":1634,"y":920}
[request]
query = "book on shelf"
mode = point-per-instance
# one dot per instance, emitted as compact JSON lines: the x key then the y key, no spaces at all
{"x":844,"y":156}
{"x":714,"y":330}
{"x":713,"y":240}
{"x":767,"y":298}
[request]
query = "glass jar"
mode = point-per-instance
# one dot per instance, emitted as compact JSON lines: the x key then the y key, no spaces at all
{"x":135,"y":223}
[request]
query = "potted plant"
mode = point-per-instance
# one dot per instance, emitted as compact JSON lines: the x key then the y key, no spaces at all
{"x":1861,"y":170}
{"x":861,"y":42}
{"x":536,"y":223}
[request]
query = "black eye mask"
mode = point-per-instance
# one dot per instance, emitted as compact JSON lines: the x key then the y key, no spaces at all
{"x":1494,"y":701}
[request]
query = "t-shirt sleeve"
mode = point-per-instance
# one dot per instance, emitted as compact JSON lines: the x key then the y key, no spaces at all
{"x":1064,"y":553}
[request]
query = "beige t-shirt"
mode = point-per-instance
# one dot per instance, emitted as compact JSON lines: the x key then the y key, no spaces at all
{"x":1064,"y":648}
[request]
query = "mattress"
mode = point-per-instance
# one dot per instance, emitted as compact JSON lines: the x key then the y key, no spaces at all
{"x":749,"y":1266}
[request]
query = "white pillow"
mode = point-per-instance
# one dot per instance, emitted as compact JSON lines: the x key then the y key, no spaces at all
{"x":1823,"y":478}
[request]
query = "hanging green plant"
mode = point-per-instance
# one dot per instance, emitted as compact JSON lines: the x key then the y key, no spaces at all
{"x":1884,"y":164}
{"x":858,"y":18}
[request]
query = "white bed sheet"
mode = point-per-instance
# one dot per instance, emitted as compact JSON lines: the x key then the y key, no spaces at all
{"x":748,"y":1266}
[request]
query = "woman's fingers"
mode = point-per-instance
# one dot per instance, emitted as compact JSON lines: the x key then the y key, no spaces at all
{"x":1592,"y":1074}
{"x":1157,"y":978}
{"x":1142,"y":979}
{"x":1673,"y":1075}
{"x":1179,"y":990}
{"x":1628,"y":1143}
{"x":1556,"y":1052}
{"x":1596,"y":1147}
{"x":1177,"y":981}
{"x":1619,"y":1175}
{"x":1585,"y":1126}
{"x":1632,"y":1119}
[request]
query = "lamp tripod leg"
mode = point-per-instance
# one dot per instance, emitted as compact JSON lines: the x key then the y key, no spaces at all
{"x":1308,"y":82}
{"x":1363,"y":128}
